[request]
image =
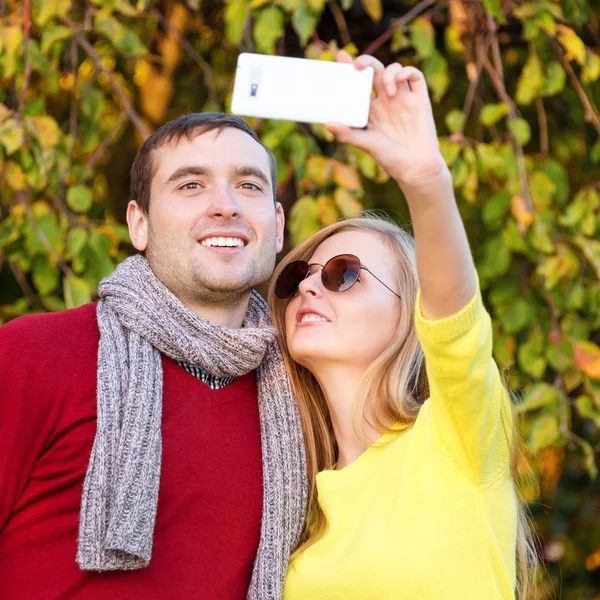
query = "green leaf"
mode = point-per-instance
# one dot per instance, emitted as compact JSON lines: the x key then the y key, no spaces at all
{"x":516,"y":315}
{"x":47,"y":10}
{"x":45,"y":276}
{"x":423,"y":37}
{"x":494,"y":7}
{"x":521,"y":129}
{"x":304,"y":219}
{"x":555,"y":80}
{"x":494,"y":259}
{"x":542,"y":190}
{"x":77,"y":292}
{"x":591,"y":70}
{"x":304,"y":22}
{"x":54,"y":35}
{"x":121,"y":37}
{"x":79,"y":198}
{"x":591,"y":250}
{"x":455,"y":120}
{"x":531,"y":81}
{"x":76,"y":240}
{"x":373,"y":8}
{"x":435,"y":69}
{"x":268,"y":28}
{"x":543,"y":431}
{"x":489,"y":160}
{"x":492,"y":113}
{"x":531,"y":356}
{"x":539,"y":395}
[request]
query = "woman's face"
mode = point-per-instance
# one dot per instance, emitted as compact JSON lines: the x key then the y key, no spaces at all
{"x":352,"y":327}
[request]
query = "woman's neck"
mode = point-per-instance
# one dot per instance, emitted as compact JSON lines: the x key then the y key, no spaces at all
{"x":340,"y":384}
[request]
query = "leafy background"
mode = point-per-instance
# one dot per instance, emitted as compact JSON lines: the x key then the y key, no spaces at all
{"x":516,"y":90}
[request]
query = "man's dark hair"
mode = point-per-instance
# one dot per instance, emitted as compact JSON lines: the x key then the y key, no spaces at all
{"x":187,"y":126}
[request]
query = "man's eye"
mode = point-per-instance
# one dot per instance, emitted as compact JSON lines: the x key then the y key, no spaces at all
{"x":190,"y":186}
{"x":250,"y":186}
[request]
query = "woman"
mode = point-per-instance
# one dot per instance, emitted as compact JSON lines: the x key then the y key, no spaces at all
{"x":410,"y":471}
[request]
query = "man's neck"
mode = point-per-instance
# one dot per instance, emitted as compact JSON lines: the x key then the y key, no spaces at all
{"x":228,"y":315}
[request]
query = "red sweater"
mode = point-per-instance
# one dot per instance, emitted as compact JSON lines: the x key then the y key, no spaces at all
{"x":210,"y":499}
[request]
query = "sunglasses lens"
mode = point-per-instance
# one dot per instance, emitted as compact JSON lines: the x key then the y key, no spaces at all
{"x":290,"y":278}
{"x":341,"y":272}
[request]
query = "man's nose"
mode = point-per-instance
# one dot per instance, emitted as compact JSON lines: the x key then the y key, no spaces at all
{"x":223,"y":204}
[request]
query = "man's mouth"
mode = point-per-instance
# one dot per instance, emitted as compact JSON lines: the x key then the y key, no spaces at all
{"x":223,"y":242}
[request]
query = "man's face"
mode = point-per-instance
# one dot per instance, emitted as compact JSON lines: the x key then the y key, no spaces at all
{"x":212,"y":230}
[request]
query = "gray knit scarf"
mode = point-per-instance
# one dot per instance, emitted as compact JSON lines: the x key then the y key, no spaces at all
{"x":139,"y":319}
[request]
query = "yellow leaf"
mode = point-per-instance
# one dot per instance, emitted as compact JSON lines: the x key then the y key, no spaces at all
{"x":345,"y":176}
{"x":572,"y":43}
{"x":318,"y":169}
{"x":14,"y":176}
{"x":327,"y":211}
{"x":587,"y":358}
{"x":521,"y":213}
{"x":347,"y":204}
{"x":373,"y":8}
{"x":46,"y":130}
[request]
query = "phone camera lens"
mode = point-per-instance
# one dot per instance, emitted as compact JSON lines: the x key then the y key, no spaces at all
{"x":253,"y":89}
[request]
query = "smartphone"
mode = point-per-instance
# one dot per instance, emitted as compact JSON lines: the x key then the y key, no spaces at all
{"x":300,"y":89}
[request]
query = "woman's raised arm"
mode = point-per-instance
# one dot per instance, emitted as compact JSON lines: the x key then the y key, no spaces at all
{"x":401,"y":136}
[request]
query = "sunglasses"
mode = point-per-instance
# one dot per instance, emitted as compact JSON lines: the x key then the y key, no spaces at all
{"x":338,"y":274}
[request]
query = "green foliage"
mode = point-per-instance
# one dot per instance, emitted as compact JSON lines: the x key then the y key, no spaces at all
{"x":515,"y":89}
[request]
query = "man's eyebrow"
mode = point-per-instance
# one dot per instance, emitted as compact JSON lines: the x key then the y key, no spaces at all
{"x":187,"y":170}
{"x":251,"y":171}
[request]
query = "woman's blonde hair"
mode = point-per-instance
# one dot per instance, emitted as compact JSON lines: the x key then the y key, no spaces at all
{"x":392,"y":389}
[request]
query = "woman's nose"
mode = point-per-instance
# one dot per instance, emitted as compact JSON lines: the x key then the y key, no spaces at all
{"x":312,"y":284}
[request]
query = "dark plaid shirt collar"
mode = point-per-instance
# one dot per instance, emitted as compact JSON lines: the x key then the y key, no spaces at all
{"x":213,"y":382}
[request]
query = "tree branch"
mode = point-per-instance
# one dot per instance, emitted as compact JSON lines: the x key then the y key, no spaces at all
{"x":23,"y":283}
{"x":590,"y":115}
{"x":340,"y":22}
{"x":127,"y":107}
{"x":192,"y":53}
{"x":543,"y":125}
{"x":106,"y":142}
{"x":398,"y":24}
{"x":512,"y":112}
{"x":26,"y":35}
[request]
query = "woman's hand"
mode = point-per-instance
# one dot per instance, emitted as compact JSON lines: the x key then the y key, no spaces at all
{"x":400,"y":134}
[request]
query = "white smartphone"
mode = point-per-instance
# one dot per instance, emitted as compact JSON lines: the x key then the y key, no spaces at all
{"x":303,"y":90}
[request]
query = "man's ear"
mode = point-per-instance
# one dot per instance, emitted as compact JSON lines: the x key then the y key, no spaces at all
{"x":280,"y":225}
{"x":137,"y":221}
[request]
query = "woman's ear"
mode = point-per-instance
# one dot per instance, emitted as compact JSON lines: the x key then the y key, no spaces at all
{"x":137,"y":221}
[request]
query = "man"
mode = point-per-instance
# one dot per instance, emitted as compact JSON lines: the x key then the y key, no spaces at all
{"x":150,"y":446}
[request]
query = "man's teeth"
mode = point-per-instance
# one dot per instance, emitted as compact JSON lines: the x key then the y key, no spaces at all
{"x":311,"y":317}
{"x":225,"y":242}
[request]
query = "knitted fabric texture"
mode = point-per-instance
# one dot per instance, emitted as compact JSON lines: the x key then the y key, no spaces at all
{"x":138,"y":319}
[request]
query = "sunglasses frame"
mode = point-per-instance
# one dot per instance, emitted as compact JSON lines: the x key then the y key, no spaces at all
{"x":323,"y":267}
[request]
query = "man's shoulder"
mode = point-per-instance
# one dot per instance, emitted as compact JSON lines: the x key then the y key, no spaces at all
{"x":71,"y":328}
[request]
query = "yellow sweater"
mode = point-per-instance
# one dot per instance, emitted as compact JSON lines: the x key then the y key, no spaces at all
{"x":432,"y":515}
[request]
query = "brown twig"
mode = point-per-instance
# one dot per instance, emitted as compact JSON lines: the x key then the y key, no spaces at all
{"x":590,"y":115}
{"x":543,"y":125}
{"x":512,"y":113}
{"x":108,"y":140}
{"x":192,"y":53}
{"x":26,"y":35}
{"x":340,"y":21}
{"x":23,"y":283}
{"x":73,"y":125}
{"x":398,"y":24}
{"x":127,"y":107}
{"x":64,"y":267}
{"x":497,"y":58}
{"x":475,"y":81}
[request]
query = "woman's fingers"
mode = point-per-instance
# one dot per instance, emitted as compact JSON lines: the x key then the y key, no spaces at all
{"x":390,"y":78}
{"x":344,"y":57}
{"x":364,"y":61}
